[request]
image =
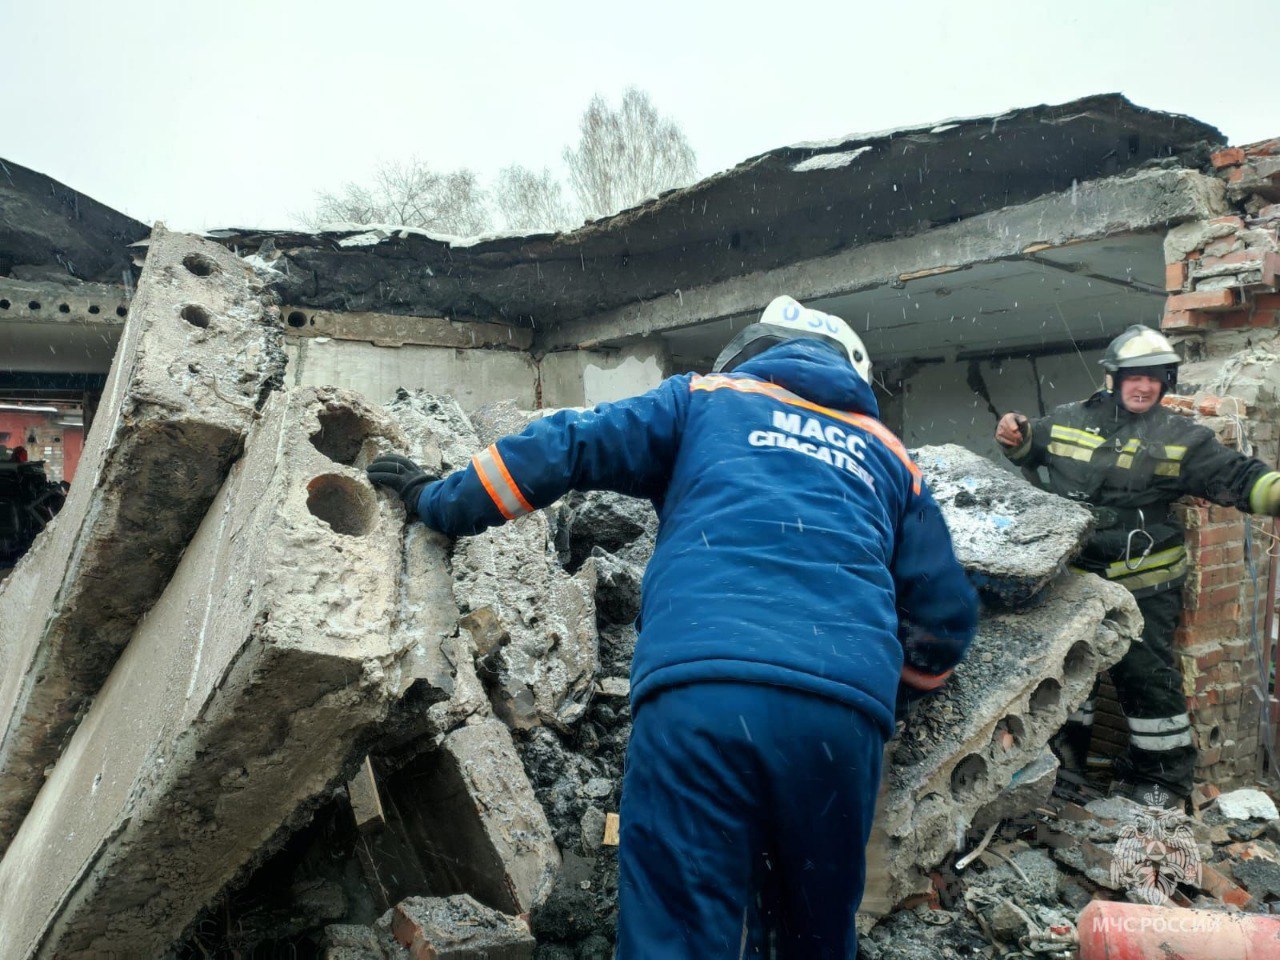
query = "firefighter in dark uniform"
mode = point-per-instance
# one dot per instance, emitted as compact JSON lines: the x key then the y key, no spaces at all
{"x":1129,"y":459}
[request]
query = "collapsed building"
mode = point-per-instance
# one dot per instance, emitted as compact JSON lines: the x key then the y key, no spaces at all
{"x":246,"y":710}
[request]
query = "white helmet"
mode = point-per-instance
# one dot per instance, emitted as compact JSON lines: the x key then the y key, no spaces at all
{"x":785,"y":319}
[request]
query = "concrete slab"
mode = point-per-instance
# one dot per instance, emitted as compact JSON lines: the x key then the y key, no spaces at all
{"x":1027,"y":671}
{"x":250,"y":689}
{"x":200,"y":350}
{"x":1011,"y":537}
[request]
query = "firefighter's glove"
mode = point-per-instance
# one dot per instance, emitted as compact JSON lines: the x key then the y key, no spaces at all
{"x":1265,"y":496}
{"x":400,"y":475}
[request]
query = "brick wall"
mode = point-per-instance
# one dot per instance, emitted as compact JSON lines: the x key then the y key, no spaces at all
{"x":1223,"y":277}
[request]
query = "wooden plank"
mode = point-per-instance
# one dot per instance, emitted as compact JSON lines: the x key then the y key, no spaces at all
{"x":612,"y":827}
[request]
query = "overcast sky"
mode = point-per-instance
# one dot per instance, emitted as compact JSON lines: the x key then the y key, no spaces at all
{"x":236,"y":112}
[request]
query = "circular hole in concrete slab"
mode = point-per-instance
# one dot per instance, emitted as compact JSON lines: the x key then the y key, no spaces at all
{"x":1215,"y":737}
{"x":297,"y":318}
{"x":196,"y":315}
{"x":969,"y":776}
{"x":1079,"y":662}
{"x":64,"y":308}
{"x":95,"y":309}
{"x":33,"y":305}
{"x":1046,"y":696}
{"x":199,"y":264}
{"x":342,"y":503}
{"x":4,"y":304}
{"x":122,"y":311}
{"x":341,"y":435}
{"x":1009,"y":734}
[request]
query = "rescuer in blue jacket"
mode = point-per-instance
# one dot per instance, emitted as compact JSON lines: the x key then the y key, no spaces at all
{"x":802,"y":574}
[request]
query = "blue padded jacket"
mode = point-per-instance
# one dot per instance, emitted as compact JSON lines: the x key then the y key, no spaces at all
{"x":794,"y":528}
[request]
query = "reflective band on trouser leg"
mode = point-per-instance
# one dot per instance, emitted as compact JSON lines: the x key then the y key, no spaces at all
{"x":1160,"y":733}
{"x":1084,"y":715}
{"x":495,"y":477}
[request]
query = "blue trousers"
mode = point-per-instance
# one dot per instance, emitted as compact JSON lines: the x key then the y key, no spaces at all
{"x":746,"y":811}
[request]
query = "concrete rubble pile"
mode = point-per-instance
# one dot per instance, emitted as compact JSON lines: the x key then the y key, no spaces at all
{"x":1021,"y":895}
{"x":472,"y":696}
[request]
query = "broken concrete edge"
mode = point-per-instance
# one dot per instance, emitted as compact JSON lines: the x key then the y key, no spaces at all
{"x":459,"y":927}
{"x":1011,"y":537}
{"x":1138,"y":202}
{"x":200,"y":757}
{"x":200,"y":352}
{"x":936,"y":786}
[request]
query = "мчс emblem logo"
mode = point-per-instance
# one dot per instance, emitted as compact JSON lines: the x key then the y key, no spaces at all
{"x":1156,"y":852}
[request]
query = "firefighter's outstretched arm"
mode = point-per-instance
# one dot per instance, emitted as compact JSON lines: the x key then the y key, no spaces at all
{"x":627,"y":447}
{"x":1228,"y":477}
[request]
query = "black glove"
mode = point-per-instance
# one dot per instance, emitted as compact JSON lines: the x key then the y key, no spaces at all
{"x":401,"y":475}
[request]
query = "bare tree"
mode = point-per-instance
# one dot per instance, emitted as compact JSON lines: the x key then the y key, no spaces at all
{"x":626,"y":155}
{"x":529,"y":201}
{"x":409,"y":194}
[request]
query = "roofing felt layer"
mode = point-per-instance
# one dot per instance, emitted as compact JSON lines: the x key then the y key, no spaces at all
{"x":787,"y":205}
{"x":46,"y":223}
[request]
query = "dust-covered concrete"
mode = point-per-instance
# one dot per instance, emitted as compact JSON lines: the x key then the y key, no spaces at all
{"x":1011,"y":537}
{"x":1023,"y":676}
{"x":244,"y":695}
{"x":200,"y":350}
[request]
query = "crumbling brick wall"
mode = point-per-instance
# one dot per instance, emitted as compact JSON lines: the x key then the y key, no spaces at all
{"x":1223,"y":280}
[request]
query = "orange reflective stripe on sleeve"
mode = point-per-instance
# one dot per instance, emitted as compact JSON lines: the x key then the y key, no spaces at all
{"x":920,"y":680}
{"x":495,"y":477}
{"x":869,"y":424}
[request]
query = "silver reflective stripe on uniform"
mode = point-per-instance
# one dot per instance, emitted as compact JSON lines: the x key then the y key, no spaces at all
{"x":497,"y":482}
{"x":1084,"y":715}
{"x":1160,"y":733}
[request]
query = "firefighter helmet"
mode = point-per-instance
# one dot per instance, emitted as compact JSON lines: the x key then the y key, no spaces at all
{"x":1141,"y":350}
{"x":785,"y":319}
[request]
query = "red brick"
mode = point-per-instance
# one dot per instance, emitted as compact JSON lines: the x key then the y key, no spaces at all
{"x":1263,"y":148}
{"x":1220,"y":514}
{"x":1236,"y":174}
{"x":1271,"y":270}
{"x":1267,"y":301}
{"x":1267,"y":212}
{"x":1222,"y":246}
{"x":1221,"y":596}
{"x":1239,"y":256}
{"x":1229,"y":157}
{"x":1201,"y":300}
{"x":1186,"y":320}
{"x":1221,"y":615}
{"x":1216,"y":885}
{"x":1236,"y":320}
{"x":1175,"y":277}
{"x":1209,"y":536}
{"x":1263,"y":318}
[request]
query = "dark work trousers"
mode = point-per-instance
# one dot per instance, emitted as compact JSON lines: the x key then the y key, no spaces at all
{"x":746,"y":810}
{"x":1149,"y":684}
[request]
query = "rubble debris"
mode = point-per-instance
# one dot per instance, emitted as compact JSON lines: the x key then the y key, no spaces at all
{"x":1024,"y":674}
{"x":1247,"y":804}
{"x":243,"y":697}
{"x":199,"y":353}
{"x":1011,"y":537}
{"x":1030,"y":788}
{"x":532,"y":623}
{"x":459,"y":928}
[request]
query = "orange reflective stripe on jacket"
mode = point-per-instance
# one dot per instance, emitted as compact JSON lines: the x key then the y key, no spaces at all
{"x":495,"y":477}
